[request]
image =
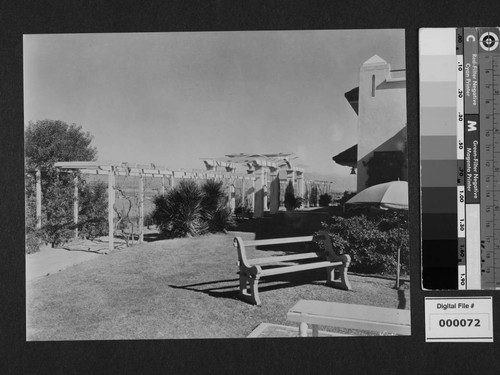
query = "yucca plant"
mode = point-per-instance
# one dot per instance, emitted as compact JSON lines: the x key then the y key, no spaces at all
{"x":189,"y":210}
{"x":215,"y":210}
{"x":213,"y":195}
{"x":178,"y":213}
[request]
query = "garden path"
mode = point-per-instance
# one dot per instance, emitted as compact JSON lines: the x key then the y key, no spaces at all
{"x":49,"y":260}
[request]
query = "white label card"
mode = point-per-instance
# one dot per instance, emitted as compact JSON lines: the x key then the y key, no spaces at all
{"x":459,"y":319}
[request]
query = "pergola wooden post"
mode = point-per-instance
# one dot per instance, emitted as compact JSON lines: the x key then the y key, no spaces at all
{"x":290,"y":176}
{"x":232,"y":196}
{"x":274,"y":191}
{"x":265,"y":190}
{"x":38,"y":178}
{"x":307,"y":193}
{"x":111,"y":212}
{"x":259,"y":191}
{"x":141,"y":206}
{"x":318,"y":193}
{"x":75,"y":204}
{"x":300,"y":185}
{"x":250,"y":172}
{"x":231,"y":188}
{"x":172,"y":180}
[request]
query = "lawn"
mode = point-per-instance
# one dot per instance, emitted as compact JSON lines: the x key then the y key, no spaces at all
{"x":181,"y":288}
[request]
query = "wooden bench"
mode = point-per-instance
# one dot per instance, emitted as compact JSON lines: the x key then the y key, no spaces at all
{"x":367,"y":318}
{"x":252,"y":270}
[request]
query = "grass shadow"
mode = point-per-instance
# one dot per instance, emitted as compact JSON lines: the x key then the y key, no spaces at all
{"x":154,"y":236}
{"x":270,"y":283}
{"x":89,"y":250}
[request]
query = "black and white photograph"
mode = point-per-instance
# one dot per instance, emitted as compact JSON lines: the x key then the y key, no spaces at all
{"x":216,"y":184}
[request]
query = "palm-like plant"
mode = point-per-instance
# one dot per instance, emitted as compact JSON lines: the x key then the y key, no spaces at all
{"x":178,"y":213}
{"x":188,"y":210}
{"x":215,"y":210}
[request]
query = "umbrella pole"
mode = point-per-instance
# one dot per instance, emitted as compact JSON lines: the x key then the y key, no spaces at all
{"x":399,"y":264}
{"x":398,"y":268}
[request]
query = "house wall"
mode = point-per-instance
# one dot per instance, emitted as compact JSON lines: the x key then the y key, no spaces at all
{"x":382,"y":113}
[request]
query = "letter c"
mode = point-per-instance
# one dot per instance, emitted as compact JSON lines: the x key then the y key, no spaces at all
{"x":470,"y":38}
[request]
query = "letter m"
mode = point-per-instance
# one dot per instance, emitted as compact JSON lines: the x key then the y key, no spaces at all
{"x":471,"y":126}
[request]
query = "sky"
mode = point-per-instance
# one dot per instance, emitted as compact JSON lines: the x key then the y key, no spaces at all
{"x":177,"y":98}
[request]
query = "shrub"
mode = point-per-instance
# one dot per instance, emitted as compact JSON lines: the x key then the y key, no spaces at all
{"x":33,"y":241}
{"x":149,"y":219}
{"x":57,"y":211}
{"x":346,"y":196}
{"x":214,"y":207}
{"x":372,"y":241}
{"x":213,"y":195}
{"x":178,"y":212}
{"x":324,"y":200}
{"x":188,"y":210}
{"x":313,"y":196}
{"x":242,"y":209}
{"x":243,"y":212}
{"x":92,"y":215}
{"x":57,"y":223}
{"x":32,"y":237}
{"x":291,"y":201}
{"x":220,"y":219}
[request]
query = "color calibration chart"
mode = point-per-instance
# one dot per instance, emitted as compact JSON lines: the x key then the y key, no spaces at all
{"x":460,"y":157}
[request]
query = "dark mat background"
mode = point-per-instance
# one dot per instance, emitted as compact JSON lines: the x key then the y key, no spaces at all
{"x":403,"y":355}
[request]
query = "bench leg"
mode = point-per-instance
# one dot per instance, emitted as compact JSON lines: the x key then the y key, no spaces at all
{"x":254,"y":290}
{"x":249,"y":289}
{"x":341,"y":282}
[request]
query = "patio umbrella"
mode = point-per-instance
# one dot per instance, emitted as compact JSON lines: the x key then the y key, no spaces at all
{"x":389,"y":195}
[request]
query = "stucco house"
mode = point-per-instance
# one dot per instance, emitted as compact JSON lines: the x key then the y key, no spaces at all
{"x":380,"y":103}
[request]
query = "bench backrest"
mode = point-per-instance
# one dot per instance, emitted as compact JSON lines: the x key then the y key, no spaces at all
{"x":242,"y":245}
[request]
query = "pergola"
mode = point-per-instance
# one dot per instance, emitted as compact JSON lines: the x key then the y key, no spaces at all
{"x":260,"y":169}
{"x":263,"y":168}
{"x":114,"y":168}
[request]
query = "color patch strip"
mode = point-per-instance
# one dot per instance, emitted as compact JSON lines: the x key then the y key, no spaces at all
{"x":464,"y":187}
{"x":438,"y":129}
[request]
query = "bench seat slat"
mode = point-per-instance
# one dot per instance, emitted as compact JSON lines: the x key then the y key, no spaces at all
{"x":278,"y":241}
{"x":300,"y":267}
{"x":360,"y":317}
{"x":363,"y":325}
{"x":282,"y":258}
{"x":352,"y":311}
